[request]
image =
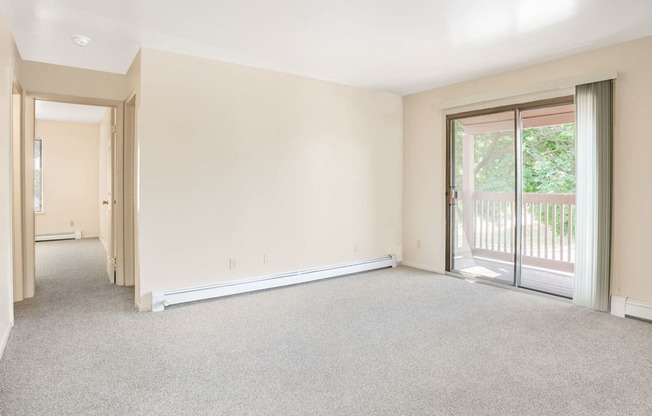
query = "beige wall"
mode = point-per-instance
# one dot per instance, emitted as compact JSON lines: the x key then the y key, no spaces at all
{"x":237,"y":162}
{"x":55,"y":79}
{"x":104,"y":182}
{"x":424,"y":156}
{"x":133,"y":77}
{"x":70,"y":178}
{"x":8,"y":57}
{"x":133,"y":108}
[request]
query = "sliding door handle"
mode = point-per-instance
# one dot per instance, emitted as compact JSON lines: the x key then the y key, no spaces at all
{"x":451,"y":195}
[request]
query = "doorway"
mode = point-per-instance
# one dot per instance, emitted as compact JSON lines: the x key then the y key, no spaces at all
{"x":511,"y":196}
{"x":111,"y":204}
{"x":73,"y":178}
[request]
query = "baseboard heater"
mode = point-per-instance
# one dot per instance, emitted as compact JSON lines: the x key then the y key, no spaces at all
{"x":74,"y":235}
{"x":162,"y":299}
{"x":623,"y":306}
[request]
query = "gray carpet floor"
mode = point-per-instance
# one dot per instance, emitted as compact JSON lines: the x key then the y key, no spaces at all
{"x":390,"y":342}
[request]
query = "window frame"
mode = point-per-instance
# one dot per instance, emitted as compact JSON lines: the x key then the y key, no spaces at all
{"x":38,"y":144}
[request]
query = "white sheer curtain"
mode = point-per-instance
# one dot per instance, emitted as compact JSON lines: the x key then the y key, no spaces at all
{"x":593,"y":107}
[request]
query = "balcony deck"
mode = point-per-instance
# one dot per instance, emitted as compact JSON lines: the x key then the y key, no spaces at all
{"x":544,"y":280}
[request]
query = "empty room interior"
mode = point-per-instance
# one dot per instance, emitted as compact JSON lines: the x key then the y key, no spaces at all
{"x":325,"y":208}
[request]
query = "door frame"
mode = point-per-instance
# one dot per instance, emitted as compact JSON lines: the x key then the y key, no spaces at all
{"x":517,"y":109}
{"x":17,"y":189}
{"x":130,"y":190}
{"x":119,"y":176}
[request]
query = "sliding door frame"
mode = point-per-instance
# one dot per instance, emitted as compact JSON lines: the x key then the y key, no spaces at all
{"x":518,"y":148}
{"x":518,"y":192}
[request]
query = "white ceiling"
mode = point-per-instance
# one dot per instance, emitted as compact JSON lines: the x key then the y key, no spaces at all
{"x":402,"y":46}
{"x":50,"y":110}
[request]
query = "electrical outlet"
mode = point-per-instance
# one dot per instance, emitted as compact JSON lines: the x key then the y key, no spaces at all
{"x":232,"y":263}
{"x":72,"y":223}
{"x":356,"y":247}
{"x":265,"y":259}
{"x":418,"y":244}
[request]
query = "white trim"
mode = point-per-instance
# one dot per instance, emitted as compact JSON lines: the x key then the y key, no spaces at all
{"x":74,"y":235}
{"x":556,"y":84}
{"x":162,"y":299}
{"x":623,"y":306}
{"x":4,"y":339}
{"x":421,"y":267}
{"x":618,"y":304}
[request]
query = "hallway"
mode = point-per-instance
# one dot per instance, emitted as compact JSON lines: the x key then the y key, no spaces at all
{"x":70,"y":278}
{"x":67,"y":339}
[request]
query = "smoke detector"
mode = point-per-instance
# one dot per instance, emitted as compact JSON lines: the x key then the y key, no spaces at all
{"x":81,"y":40}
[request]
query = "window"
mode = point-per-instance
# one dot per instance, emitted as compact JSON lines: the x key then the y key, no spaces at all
{"x":38,"y":175}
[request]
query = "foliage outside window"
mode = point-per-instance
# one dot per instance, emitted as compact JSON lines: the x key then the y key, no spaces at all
{"x":548,"y":160}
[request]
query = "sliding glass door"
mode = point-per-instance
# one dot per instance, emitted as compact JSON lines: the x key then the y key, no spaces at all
{"x":483,"y":197}
{"x":511,"y":196}
{"x":548,"y":199}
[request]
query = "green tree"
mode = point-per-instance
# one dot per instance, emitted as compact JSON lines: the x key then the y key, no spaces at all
{"x":548,"y":160}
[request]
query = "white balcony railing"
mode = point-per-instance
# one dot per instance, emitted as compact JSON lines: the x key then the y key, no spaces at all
{"x":488,"y":230}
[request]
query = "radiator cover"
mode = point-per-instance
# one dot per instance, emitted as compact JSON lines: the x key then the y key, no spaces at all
{"x":72,"y":235}
{"x":162,"y":299}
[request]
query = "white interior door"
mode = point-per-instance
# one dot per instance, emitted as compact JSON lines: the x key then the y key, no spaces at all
{"x":109,"y":202}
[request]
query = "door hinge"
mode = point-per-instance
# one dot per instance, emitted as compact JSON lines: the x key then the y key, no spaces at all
{"x":112,"y":260}
{"x":114,"y":129}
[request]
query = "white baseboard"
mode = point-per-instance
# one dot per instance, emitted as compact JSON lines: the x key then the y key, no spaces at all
{"x":162,"y":299}
{"x":618,"y":304}
{"x":421,"y":267}
{"x":143,"y":306}
{"x":73,"y":235}
{"x":4,"y":338}
{"x":623,"y":306}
